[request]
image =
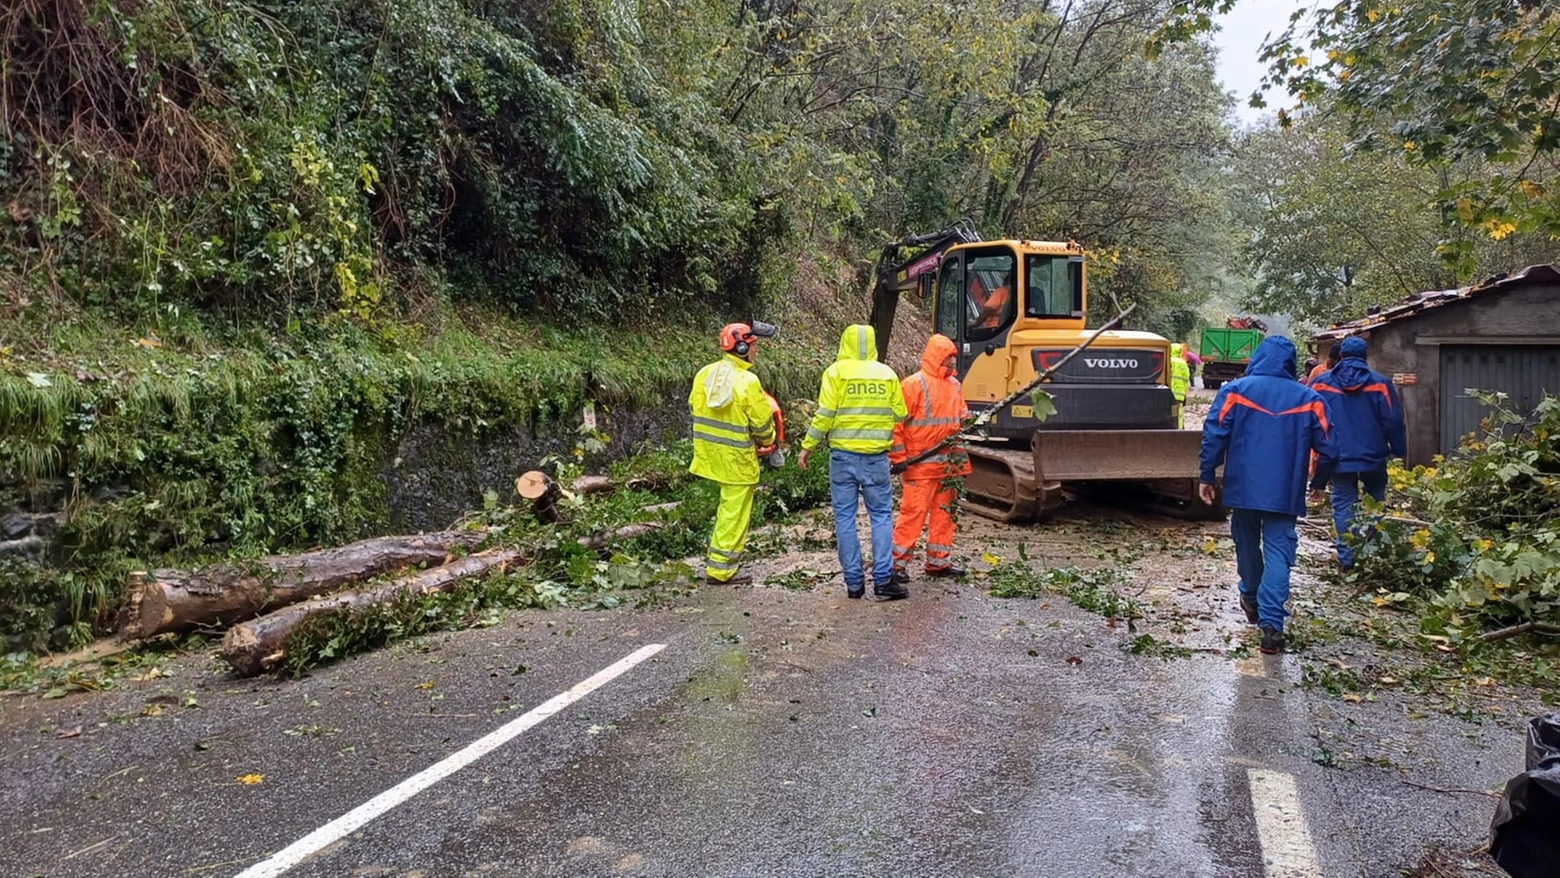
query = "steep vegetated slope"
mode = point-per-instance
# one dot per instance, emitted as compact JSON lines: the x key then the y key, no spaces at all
{"x":247,"y":247}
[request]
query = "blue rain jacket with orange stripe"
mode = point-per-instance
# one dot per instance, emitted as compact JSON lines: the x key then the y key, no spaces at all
{"x":1364,"y":411}
{"x":1263,"y":428}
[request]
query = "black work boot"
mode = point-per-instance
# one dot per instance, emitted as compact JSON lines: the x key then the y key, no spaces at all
{"x":949,"y":572}
{"x":900,"y":577}
{"x":1250,"y":606}
{"x":1272,"y":641}
{"x":890,"y":591}
{"x":855,"y":593}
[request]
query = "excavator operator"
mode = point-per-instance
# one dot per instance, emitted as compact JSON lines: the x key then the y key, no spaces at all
{"x":991,"y":305}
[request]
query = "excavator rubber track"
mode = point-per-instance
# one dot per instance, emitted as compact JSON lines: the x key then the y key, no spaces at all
{"x":1002,"y":486}
{"x":1154,"y":469}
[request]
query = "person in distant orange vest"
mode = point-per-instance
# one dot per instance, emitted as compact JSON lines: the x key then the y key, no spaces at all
{"x":1320,"y":369}
{"x":992,"y":305}
{"x":935,"y":401}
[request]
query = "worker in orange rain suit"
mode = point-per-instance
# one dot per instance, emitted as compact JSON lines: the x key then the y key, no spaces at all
{"x":936,"y":411}
{"x":732,"y":421}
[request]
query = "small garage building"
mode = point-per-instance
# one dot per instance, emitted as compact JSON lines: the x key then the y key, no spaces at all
{"x":1503,"y":335}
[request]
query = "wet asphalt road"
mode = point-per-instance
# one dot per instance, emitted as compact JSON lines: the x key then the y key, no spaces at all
{"x":779,"y":733}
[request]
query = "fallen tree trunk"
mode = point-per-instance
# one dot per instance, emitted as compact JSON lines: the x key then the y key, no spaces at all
{"x":259,"y":644}
{"x":177,"y":601}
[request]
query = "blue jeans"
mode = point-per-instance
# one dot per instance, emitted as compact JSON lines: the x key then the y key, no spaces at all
{"x":1345,"y":495}
{"x":1265,"y":544}
{"x":852,"y":478}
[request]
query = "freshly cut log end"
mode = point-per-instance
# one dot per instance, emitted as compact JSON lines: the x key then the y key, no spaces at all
{"x":533,"y":485}
{"x":543,"y":494}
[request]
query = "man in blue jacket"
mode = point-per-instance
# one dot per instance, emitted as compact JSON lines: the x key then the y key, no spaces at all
{"x":1367,"y":423}
{"x":1263,"y":428}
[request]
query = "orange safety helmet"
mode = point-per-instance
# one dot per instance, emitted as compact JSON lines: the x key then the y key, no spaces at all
{"x":738,"y":338}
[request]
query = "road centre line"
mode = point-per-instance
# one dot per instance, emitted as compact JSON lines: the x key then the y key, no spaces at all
{"x":360,"y":816}
{"x":1287,"y":850}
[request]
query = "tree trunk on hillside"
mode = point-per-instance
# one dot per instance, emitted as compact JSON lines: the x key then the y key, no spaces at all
{"x":260,"y":644}
{"x":176,"y":601}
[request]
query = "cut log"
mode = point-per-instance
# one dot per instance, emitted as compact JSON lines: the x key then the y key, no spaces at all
{"x":535,"y":483}
{"x":542,"y":491}
{"x":543,"y":494}
{"x":178,"y":601}
{"x":593,"y":485}
{"x":260,"y":644}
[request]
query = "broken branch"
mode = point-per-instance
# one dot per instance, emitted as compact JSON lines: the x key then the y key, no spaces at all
{"x":1518,"y":630}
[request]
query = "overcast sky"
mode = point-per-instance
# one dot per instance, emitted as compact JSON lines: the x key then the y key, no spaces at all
{"x":1240,"y":41}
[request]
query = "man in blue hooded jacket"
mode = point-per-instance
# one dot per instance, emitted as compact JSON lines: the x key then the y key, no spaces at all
{"x":1263,"y":428}
{"x":1367,"y":423}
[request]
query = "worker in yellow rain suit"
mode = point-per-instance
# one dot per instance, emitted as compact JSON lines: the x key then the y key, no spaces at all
{"x":731,"y":420}
{"x":1180,"y":380}
{"x":859,"y":402}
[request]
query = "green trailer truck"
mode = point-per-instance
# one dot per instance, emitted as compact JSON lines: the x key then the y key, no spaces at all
{"x":1225,"y":353}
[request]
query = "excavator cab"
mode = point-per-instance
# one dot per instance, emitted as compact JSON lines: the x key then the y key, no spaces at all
{"x":1013,"y":308}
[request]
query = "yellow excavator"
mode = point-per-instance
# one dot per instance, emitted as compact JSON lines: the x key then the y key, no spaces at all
{"x":1014,"y":308}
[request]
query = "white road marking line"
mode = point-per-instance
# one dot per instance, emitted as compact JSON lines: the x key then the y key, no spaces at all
{"x":360,"y":816}
{"x":1287,"y":850}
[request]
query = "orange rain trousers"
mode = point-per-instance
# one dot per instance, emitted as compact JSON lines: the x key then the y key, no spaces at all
{"x":925,"y":499}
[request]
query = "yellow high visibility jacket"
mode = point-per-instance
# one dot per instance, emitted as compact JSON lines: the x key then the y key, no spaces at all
{"x":1180,"y":373}
{"x":731,"y":418}
{"x":859,"y":401}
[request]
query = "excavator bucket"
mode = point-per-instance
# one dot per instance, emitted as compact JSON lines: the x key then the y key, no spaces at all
{"x":1157,"y":467}
{"x":1163,"y":463}
{"x":1116,"y":455}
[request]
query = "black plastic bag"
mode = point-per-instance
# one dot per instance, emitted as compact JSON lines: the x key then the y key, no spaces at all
{"x":1525,"y":835}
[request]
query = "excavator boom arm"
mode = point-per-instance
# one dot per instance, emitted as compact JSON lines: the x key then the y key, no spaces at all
{"x":900,"y":267}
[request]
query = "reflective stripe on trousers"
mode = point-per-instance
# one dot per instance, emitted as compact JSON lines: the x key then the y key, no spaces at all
{"x":729,"y":537}
{"x":925,"y":504}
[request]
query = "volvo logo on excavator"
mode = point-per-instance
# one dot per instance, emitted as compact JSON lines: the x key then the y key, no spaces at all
{"x":1107,"y":366}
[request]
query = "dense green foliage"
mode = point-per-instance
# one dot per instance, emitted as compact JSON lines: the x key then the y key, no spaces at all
{"x":1334,"y":231}
{"x":593,"y":158}
{"x":1447,"y":107}
{"x":1481,"y":533}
